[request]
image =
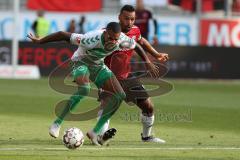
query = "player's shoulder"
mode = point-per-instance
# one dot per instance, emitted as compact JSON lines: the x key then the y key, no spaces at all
{"x":135,"y":29}
{"x":134,"y":32}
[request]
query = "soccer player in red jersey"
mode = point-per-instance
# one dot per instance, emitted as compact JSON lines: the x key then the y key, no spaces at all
{"x":119,"y":64}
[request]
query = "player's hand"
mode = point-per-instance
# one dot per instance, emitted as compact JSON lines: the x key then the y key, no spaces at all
{"x":162,"y":57}
{"x":153,"y":70}
{"x":33,"y":38}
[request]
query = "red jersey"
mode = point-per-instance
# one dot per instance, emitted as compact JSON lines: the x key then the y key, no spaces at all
{"x":119,"y":61}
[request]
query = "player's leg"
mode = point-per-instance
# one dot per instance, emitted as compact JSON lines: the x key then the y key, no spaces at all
{"x":147,"y":119}
{"x":81,"y":76}
{"x":112,"y":103}
{"x":136,"y":93}
{"x":105,"y":134}
{"x":108,"y":82}
{"x":144,"y":104}
{"x":106,"y":125}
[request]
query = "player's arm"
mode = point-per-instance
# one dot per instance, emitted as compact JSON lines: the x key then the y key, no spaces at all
{"x":150,"y":66}
{"x":140,"y":51}
{"x":130,"y":44}
{"x":54,"y":37}
{"x":163,"y":57}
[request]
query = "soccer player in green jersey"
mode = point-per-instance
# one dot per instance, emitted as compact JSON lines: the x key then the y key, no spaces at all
{"x":88,"y":62}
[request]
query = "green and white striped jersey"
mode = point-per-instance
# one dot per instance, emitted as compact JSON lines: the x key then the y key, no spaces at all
{"x":91,"y":46}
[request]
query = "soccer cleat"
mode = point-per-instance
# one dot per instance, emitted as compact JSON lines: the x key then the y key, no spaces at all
{"x":107,"y":136}
{"x":54,"y":130}
{"x":153,"y":139}
{"x":94,"y":138}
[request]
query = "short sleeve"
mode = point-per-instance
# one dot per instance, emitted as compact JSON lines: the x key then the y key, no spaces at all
{"x":88,"y":40}
{"x":139,"y":37}
{"x":135,"y":33}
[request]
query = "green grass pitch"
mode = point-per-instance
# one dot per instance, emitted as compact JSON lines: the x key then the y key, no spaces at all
{"x":200,"y":120}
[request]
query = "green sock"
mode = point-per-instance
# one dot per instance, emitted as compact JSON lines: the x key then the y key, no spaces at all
{"x":72,"y":102}
{"x":111,"y":107}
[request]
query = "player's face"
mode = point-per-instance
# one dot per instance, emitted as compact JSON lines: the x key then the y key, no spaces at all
{"x":112,"y":37}
{"x":111,"y":40}
{"x":127,"y":20}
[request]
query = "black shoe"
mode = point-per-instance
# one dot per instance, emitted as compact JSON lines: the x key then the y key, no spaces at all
{"x":107,"y":136}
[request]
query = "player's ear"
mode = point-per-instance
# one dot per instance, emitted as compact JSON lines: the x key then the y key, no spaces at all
{"x":119,"y":17}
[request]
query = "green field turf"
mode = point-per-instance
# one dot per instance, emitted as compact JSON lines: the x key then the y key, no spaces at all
{"x":200,"y":120}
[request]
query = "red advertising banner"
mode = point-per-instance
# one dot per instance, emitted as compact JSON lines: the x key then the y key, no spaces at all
{"x":222,"y":33}
{"x":65,"y":5}
{"x":185,"y":62}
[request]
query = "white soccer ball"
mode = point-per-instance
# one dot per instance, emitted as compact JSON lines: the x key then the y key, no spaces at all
{"x":73,"y":138}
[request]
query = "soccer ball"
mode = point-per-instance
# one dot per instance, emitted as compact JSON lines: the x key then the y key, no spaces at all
{"x":73,"y":138}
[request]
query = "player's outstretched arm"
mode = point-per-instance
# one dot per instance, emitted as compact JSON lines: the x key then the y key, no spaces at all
{"x":140,"y":51}
{"x":154,"y":72}
{"x":54,"y":37}
{"x":162,"y":57}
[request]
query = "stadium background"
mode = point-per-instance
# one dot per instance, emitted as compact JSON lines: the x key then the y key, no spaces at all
{"x":199,"y":118}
